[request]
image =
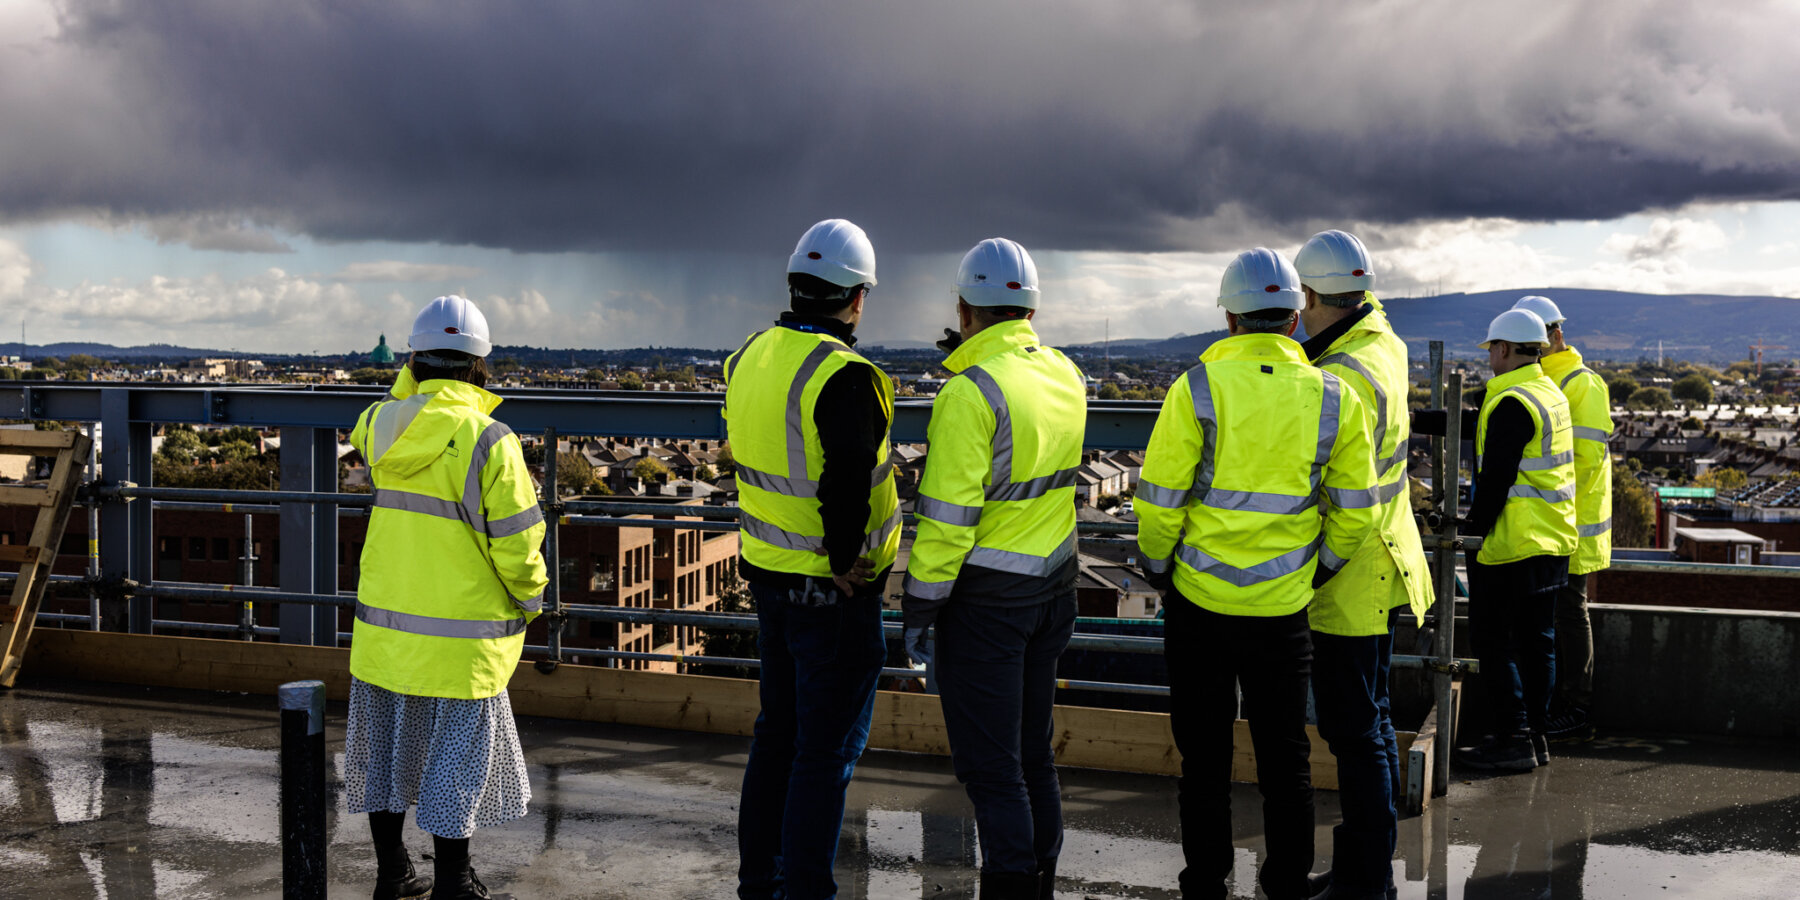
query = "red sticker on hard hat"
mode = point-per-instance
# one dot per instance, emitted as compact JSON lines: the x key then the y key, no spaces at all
{"x":450,"y":329}
{"x":814,"y":255}
{"x":1272,"y":289}
{"x":1013,"y":284}
{"x":1357,"y":272}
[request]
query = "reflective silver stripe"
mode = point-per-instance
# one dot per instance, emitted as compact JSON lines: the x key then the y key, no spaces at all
{"x":1350,"y":498}
{"x":1571,"y":376}
{"x":1541,"y":463}
{"x":796,"y":417}
{"x":1399,"y":457}
{"x":732,"y":363}
{"x":929,"y":590}
{"x":1023,"y":563}
{"x":388,"y":498}
{"x":1595,"y":530}
{"x":535,"y":603}
{"x":1255,"y":501}
{"x":776,"y":484}
{"x":1544,"y":423}
{"x":1584,"y":433}
{"x":493,"y":434}
{"x":474,"y":629}
{"x":1201,"y":390}
{"x":800,"y":487}
{"x":1168,"y":498}
{"x":1381,"y":397}
{"x":515,"y":523}
{"x":1331,"y":404}
{"x":1158,"y":566}
{"x":1559,"y":495}
{"x":1286,"y":564}
{"x":1331,"y":561}
{"x":948,"y":513}
{"x":1036,"y":487}
{"x":1389,"y":491}
{"x":1003,"y":440}
{"x":881,"y":534}
{"x":769,"y":534}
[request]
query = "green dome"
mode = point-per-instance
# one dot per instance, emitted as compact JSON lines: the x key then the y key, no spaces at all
{"x":382,"y":355}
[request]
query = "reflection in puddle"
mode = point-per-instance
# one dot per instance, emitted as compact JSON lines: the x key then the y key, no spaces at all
{"x":174,"y":795}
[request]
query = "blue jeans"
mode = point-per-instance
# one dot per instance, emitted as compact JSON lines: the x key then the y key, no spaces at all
{"x":819,"y":669}
{"x":1514,"y":638}
{"x":1350,"y":685}
{"x":996,"y":671}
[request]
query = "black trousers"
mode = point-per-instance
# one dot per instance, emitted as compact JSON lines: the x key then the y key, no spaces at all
{"x":1210,"y":657}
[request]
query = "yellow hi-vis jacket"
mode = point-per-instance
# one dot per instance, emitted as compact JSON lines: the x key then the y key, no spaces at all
{"x":1539,"y":516}
{"x":1590,"y":411}
{"x":1260,"y":468}
{"x":451,"y":571}
{"x":772,"y":385}
{"x":1388,"y":567}
{"x":999,"y":485}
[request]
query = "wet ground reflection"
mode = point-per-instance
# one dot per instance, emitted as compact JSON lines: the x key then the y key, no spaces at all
{"x":119,"y":792}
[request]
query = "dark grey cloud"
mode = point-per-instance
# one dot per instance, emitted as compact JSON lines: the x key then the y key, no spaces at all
{"x":731,"y":126}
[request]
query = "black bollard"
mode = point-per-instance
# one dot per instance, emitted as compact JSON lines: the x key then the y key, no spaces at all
{"x":303,"y":790}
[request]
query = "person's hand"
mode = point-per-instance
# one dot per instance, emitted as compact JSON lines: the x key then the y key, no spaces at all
{"x":861,"y":572}
{"x":1161,"y":581}
{"x":918,"y":648}
{"x":952,"y":339}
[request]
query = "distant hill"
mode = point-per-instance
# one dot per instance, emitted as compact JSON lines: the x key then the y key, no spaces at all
{"x":1614,"y":324}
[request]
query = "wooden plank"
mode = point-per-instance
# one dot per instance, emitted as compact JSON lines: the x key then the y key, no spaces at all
{"x":19,"y":553}
{"x":1119,"y":740}
{"x":22,"y":495}
{"x":36,"y":443}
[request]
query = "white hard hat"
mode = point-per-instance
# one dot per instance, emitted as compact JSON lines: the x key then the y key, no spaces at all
{"x":1335,"y":262}
{"x":1543,"y":306}
{"x":451,"y":323}
{"x":837,"y":251}
{"x":1520,"y":326}
{"x":1260,"y":279}
{"x":998,"y":272}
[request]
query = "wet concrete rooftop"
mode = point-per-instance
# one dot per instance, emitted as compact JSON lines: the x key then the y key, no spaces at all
{"x":110,"y":791}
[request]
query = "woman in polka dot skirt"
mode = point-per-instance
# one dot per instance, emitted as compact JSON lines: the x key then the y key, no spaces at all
{"x":451,"y":574}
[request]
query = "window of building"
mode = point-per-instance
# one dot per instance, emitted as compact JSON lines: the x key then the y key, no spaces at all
{"x":221,"y":548}
{"x":197,"y":548}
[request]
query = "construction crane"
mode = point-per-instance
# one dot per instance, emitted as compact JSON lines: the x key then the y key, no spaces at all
{"x":1756,"y":353}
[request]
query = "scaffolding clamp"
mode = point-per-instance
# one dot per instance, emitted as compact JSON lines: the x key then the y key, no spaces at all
{"x":95,"y":492}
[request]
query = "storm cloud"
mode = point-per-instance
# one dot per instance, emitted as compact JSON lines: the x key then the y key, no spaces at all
{"x":669,"y":127}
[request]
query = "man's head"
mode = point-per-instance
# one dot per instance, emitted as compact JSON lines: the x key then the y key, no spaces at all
{"x":996,"y":282}
{"x":1261,"y":294}
{"x":450,"y":340}
{"x":1515,"y":338}
{"x":831,"y":271}
{"x":1335,"y":273}
{"x":1546,"y":309}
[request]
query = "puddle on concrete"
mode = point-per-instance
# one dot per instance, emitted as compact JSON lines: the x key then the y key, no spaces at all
{"x":121,"y":792}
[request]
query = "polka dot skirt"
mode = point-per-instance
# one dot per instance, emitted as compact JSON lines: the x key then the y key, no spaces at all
{"x":459,"y":760}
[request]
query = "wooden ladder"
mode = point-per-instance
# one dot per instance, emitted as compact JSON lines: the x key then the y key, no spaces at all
{"x":35,"y":558}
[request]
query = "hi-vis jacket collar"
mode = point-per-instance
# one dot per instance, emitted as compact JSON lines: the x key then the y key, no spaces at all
{"x":1274,"y":347}
{"x":993,"y":340}
{"x":427,"y":436}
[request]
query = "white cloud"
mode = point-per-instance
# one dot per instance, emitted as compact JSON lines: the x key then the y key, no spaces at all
{"x":15,"y":270}
{"x":1462,"y":255}
{"x":398,"y":270}
{"x":1667,"y":238}
{"x":229,"y":234}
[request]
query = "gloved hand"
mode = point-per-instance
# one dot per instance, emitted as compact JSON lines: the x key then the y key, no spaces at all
{"x":1161,"y":581}
{"x":1430,"y":421}
{"x":918,"y":647}
{"x":952,"y":340}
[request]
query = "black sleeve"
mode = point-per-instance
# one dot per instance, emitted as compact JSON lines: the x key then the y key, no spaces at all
{"x":1509,"y":429}
{"x":851,"y":426}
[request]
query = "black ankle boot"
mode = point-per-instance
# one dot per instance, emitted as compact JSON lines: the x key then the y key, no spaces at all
{"x":396,"y":879}
{"x":455,"y":879}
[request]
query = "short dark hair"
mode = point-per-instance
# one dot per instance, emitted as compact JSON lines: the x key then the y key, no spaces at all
{"x":994,"y":315}
{"x":1344,"y":300}
{"x":465,"y":367}
{"x":1270,"y":321}
{"x":814,"y":296}
{"x":1525,"y":349}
